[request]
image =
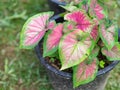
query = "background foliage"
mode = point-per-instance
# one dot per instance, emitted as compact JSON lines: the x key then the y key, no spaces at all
{"x":20,"y":69}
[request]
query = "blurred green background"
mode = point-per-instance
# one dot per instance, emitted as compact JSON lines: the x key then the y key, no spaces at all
{"x":20,"y":69}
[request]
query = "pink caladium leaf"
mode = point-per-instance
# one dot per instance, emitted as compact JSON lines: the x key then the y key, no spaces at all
{"x":109,"y":36}
{"x":83,"y":22}
{"x":74,"y":48}
{"x":96,"y":9}
{"x":34,"y":29}
{"x":52,"y":40}
{"x":94,"y":32}
{"x":84,"y":72}
{"x":113,"y":54}
{"x":51,"y":25}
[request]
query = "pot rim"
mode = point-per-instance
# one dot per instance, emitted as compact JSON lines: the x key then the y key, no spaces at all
{"x":58,"y":2}
{"x":66,"y":74}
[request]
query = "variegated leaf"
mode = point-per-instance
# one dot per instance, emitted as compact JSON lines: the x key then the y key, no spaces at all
{"x":83,"y":22}
{"x":34,"y":29}
{"x":94,"y":32}
{"x":96,"y":10}
{"x":113,"y":54}
{"x":84,"y":72}
{"x":109,"y":36}
{"x":75,"y":48}
{"x":52,"y":39}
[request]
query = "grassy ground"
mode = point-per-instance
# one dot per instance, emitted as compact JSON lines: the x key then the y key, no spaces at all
{"x":20,"y":69}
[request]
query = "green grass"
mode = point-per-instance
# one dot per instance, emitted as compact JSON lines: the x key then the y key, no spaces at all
{"x":114,"y":79}
{"x":20,"y":69}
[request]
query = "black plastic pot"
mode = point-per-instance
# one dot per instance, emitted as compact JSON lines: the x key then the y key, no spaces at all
{"x":54,"y":6}
{"x":63,"y":80}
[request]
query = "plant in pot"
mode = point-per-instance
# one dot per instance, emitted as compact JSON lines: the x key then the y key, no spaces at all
{"x":80,"y":48}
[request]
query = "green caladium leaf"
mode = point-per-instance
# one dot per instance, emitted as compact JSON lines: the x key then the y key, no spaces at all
{"x":84,"y":72}
{"x":109,"y":36}
{"x":113,"y":54}
{"x":74,"y":48}
{"x":69,"y":7}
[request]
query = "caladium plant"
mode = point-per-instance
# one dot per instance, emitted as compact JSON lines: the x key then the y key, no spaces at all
{"x":86,"y":34}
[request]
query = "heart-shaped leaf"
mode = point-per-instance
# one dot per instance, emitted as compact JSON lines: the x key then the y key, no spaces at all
{"x":82,"y":21}
{"x":113,"y":54}
{"x":74,"y":48}
{"x":96,"y":9}
{"x":94,"y":32}
{"x":109,"y":36}
{"x":84,"y":72}
{"x":52,"y":40}
{"x":34,"y":29}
